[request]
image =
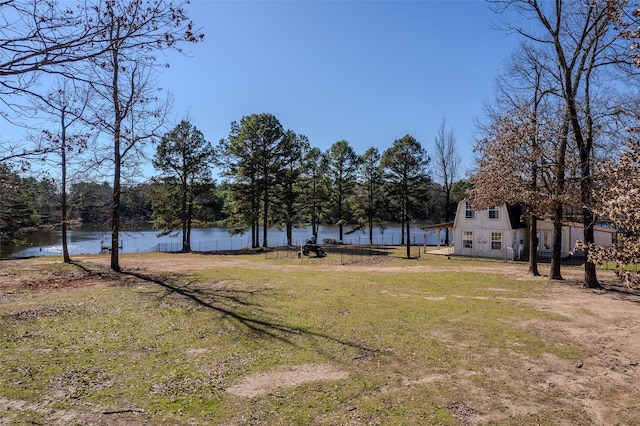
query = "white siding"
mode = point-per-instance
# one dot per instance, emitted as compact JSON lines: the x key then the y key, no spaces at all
{"x":482,"y":227}
{"x":513,"y":241}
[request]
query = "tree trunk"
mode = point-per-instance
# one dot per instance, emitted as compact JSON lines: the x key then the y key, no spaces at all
{"x":265,"y":217}
{"x":561,"y":155}
{"x":370,"y":229}
{"x":533,"y":246}
{"x":584,"y":145}
{"x":314,"y":221}
{"x":408,"y":240}
{"x":590,"y":277}
{"x":115,"y":208}
{"x":184,"y":217}
{"x":63,"y":159}
{"x":187,"y":244}
{"x":65,"y":244}
{"x":254,"y":234}
{"x":290,"y":214}
{"x":255,"y":215}
{"x":402,"y":223}
{"x":340,"y":216}
{"x":117,"y":163}
{"x":556,"y":257}
{"x":370,"y":216}
{"x":115,"y":205}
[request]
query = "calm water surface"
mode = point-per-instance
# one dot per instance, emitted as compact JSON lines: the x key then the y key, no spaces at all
{"x":49,"y":243}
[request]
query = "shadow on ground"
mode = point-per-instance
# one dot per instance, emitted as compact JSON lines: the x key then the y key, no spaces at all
{"x":223,"y":302}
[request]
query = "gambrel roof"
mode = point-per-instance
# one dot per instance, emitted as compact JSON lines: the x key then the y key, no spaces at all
{"x":516,"y":214}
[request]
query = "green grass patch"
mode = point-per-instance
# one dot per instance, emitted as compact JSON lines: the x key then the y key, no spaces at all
{"x":412,"y":344}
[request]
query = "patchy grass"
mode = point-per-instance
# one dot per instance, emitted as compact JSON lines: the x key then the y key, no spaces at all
{"x":411,"y":347}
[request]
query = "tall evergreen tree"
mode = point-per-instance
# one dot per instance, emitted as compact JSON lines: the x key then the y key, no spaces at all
{"x":16,"y":211}
{"x":288,"y":192}
{"x":252,"y":158}
{"x":235,"y":158}
{"x":341,"y":171}
{"x":313,"y":187}
{"x":405,"y":166}
{"x":370,"y":189}
{"x":184,"y":157}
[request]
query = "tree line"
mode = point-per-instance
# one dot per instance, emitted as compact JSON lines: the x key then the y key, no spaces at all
{"x":89,"y":68}
{"x":271,"y":178}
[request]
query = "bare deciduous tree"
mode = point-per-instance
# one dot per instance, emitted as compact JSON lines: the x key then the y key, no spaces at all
{"x":582,"y":42}
{"x":128,"y":109}
{"x":447,"y":166}
{"x":43,"y":37}
{"x":39,"y":40}
{"x":65,"y":104}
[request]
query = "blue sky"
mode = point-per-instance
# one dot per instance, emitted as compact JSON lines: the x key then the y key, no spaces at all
{"x":368,"y":72}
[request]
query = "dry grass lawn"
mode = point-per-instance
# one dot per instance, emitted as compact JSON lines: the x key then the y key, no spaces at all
{"x":273,"y":339}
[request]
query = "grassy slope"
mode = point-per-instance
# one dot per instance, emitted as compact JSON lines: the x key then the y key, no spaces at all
{"x":418,"y":348}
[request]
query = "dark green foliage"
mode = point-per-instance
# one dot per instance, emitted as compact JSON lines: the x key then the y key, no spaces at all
{"x":405,"y":167}
{"x":44,"y":199}
{"x":313,"y":191}
{"x":288,"y":194}
{"x":342,"y":164}
{"x":368,"y":202}
{"x":90,"y":202}
{"x":252,"y":158}
{"x":17,"y":211}
{"x":136,"y":203}
{"x":183,"y":158}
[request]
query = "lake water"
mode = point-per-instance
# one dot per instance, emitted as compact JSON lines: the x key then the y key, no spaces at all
{"x":49,"y":243}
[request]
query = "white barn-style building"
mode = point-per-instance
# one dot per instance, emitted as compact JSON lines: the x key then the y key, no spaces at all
{"x":501,"y":232}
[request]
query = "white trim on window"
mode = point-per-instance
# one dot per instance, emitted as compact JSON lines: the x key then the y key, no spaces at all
{"x":467,"y":239}
{"x":469,"y":213}
{"x":494,"y":212}
{"x":496,"y":241}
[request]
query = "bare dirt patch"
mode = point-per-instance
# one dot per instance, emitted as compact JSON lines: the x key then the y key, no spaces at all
{"x":606,"y":323}
{"x":262,"y":383}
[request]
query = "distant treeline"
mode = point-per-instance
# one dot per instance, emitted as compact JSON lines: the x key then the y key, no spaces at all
{"x":27,"y":203}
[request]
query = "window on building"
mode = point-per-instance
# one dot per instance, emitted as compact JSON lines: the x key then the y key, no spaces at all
{"x":467,"y":239}
{"x":496,"y":241}
{"x":469,"y":213}
{"x":546,"y":240}
{"x":494,"y":213}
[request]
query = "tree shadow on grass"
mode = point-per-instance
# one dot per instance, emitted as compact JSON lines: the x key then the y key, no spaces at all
{"x":223,"y":302}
